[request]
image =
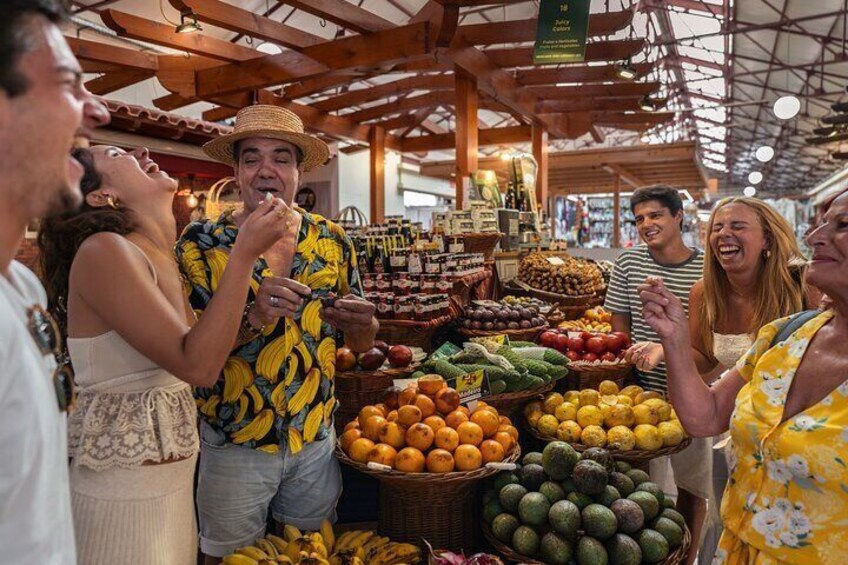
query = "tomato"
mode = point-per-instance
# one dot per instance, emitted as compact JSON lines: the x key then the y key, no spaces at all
{"x":612,"y":342}
{"x":624,"y":337}
{"x":548,"y":339}
{"x":561,"y":343}
{"x":589,"y":357}
{"x":595,"y":345}
{"x":573,"y":355}
{"x":586,"y":336}
{"x":608,"y":356}
{"x":576,"y":344}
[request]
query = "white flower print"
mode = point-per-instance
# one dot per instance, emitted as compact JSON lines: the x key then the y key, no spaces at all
{"x":733,"y":458}
{"x":720,"y":557}
{"x":843,"y":389}
{"x":787,"y":538}
{"x":799,"y":524}
{"x":798,"y":347}
{"x":769,"y":521}
{"x":779,"y":471}
{"x":805,"y":423}
{"x":776,"y":390}
{"x":131,"y":439}
{"x":827,"y":400}
{"x":798,"y":465}
{"x":783,"y":505}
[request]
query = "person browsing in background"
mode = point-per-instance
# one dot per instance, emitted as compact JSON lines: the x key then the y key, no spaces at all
{"x":658,"y":211}
{"x":44,"y":111}
{"x":267,"y":436}
{"x":785,"y":403}
{"x":753,"y":274}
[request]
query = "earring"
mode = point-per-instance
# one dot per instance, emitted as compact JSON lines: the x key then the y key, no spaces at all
{"x":112,"y":202}
{"x":767,"y":253}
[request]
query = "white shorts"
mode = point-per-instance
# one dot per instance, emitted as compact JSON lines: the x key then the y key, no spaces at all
{"x":690,"y":470}
{"x":237,"y":485}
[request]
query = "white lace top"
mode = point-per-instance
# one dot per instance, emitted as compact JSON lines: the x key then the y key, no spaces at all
{"x":728,"y":348}
{"x":129,"y":410}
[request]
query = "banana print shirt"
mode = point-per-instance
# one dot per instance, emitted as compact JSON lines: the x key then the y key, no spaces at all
{"x":279,"y":387}
{"x":787,"y":497}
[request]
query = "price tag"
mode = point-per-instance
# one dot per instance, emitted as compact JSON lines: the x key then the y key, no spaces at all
{"x":446,"y":350}
{"x":378,"y":466}
{"x":471,"y":387}
{"x":403,"y":383}
{"x":502,"y":466}
{"x":555,"y":261}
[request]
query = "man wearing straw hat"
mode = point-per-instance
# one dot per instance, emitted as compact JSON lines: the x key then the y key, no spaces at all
{"x":267,"y":425}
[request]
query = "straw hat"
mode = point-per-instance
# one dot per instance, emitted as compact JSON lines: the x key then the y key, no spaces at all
{"x":262,"y":120}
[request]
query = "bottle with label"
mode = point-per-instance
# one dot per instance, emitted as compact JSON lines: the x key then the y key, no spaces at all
{"x":520,"y":200}
{"x":509,"y":201}
{"x":378,"y":264}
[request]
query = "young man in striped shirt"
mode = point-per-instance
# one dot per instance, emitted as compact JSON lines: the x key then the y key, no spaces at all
{"x":658,"y":211}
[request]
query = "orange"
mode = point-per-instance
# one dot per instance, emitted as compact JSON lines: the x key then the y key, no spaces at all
{"x":455,"y":418}
{"x":392,"y":416}
{"x":372,"y":426}
{"x":488,"y":421}
{"x":505,"y":439}
{"x":407,"y":396}
{"x":440,"y":461}
{"x":465,"y":410}
{"x":420,"y":436}
{"x":410,"y":460}
{"x":447,"y":400}
{"x":431,"y":384}
{"x":383,"y":408}
{"x":491,"y":409}
{"x":492,"y":451}
{"x":383,"y":454}
{"x":435,"y":422}
{"x":353,"y":425}
{"x":359,"y":449}
{"x":393,"y":434}
{"x":470,"y":433}
{"x":348,"y":438}
{"x":367,"y":412}
{"x":426,"y":405}
{"x":511,"y":430}
{"x":505,"y":421}
{"x":408,"y":415}
{"x":447,"y":439}
{"x":468,"y":458}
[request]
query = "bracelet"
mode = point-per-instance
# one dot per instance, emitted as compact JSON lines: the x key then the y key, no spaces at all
{"x":246,"y":331}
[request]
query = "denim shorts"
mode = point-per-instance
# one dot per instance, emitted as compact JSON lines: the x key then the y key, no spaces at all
{"x":237,"y":485}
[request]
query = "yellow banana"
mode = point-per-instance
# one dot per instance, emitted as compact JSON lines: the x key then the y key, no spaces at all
{"x":329,"y":535}
{"x":319,"y":545}
{"x":373,"y":545}
{"x":395,"y":554}
{"x":217,"y":259}
{"x":210,"y":407}
{"x":279,"y":543}
{"x":284,"y":559}
{"x":244,"y":402}
{"x":329,"y":250}
{"x":268,"y":547}
{"x":328,"y":276}
{"x":344,"y":539}
{"x":237,"y":376}
{"x":291,"y":371}
{"x":272,"y":356}
{"x":313,"y":422}
{"x":271,"y":448}
{"x":238,"y":559}
{"x":253,"y":552}
{"x":361,"y":539}
{"x":295,"y":440}
{"x":309,"y":243}
{"x":327,"y":357}
{"x":256,"y":396}
{"x":328,"y":410}
{"x":291,"y":533}
{"x":305,"y":356}
{"x":256,"y":429}
{"x":310,"y":320}
{"x":278,"y":399}
{"x":305,"y":393}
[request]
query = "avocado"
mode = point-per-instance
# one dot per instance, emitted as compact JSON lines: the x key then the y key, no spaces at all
{"x":623,"y":466}
{"x":648,"y":503}
{"x":567,"y":485}
{"x":591,"y":552}
{"x":623,"y":550}
{"x":491,"y":509}
{"x":564,"y":518}
{"x":653,"y":545}
{"x":630,"y":517}
{"x":654,"y":489}
{"x":638,"y":476}
{"x":558,"y":460}
{"x":556,"y":550}
{"x":525,"y":541}
{"x":622,"y":483}
{"x":598,"y":521}
{"x":503,"y":526}
{"x":670,"y":531}
{"x":674,"y":516}
{"x":579,"y":499}
{"x":552,"y":491}
{"x":532,"y":476}
{"x":533,"y":509}
{"x":510,"y":496}
{"x":600,"y":455}
{"x":503,"y":479}
{"x":532,"y":458}
{"x":607,"y":497}
{"x":590,"y":477}
{"x":668,"y":502}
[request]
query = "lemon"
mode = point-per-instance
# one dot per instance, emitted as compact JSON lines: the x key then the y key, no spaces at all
{"x":569,"y":431}
{"x":593,"y":436}
{"x":610,"y":399}
{"x":662,"y":407}
{"x":590,"y":416}
{"x":624,"y":399}
{"x":573,"y":397}
{"x":608,"y":387}
{"x":671,"y":433}
{"x":647,"y":437}
{"x":553,"y":400}
{"x":589,"y":397}
{"x":619,"y":415}
{"x":632,"y":391}
{"x":533,"y":418}
{"x":647,"y":395}
{"x":566,"y":411}
{"x":547,"y":425}
{"x":621,"y":438}
{"x":645,"y":414}
{"x":535,"y":406}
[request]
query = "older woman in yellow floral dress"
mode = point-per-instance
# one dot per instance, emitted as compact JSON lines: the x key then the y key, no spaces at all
{"x":786,"y":405}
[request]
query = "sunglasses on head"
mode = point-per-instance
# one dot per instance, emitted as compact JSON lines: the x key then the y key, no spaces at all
{"x":45,"y":331}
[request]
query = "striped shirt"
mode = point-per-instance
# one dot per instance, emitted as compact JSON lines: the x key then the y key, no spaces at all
{"x":632,"y":267}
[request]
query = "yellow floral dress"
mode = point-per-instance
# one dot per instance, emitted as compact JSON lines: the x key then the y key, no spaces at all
{"x":787,"y":498}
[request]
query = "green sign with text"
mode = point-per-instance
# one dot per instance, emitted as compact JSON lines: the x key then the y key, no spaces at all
{"x":561,"y":33}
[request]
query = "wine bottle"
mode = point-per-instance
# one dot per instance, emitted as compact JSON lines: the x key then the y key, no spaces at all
{"x":510,"y":196}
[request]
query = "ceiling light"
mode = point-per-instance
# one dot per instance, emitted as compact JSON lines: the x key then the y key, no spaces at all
{"x":269,"y":48}
{"x":190,"y":26}
{"x":191,"y":201}
{"x":625,"y":70}
{"x":749,"y":191}
{"x":764,"y":154}
{"x":756,"y":177}
{"x":787,"y":107}
{"x":647,"y":105}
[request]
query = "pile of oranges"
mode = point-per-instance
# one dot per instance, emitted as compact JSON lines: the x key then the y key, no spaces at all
{"x":423,"y":428}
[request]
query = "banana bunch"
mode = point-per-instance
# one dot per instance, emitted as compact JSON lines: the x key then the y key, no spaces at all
{"x":367,"y":548}
{"x":310,"y":320}
{"x":256,"y":429}
{"x":237,"y":377}
{"x":306,"y":392}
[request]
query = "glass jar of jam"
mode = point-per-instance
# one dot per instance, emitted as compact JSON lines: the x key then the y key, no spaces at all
{"x":398,"y":260}
{"x":401,"y":284}
{"x":404,"y":308}
{"x":414,"y":284}
{"x":444,"y":284}
{"x":369,"y":283}
{"x":385,"y":308}
{"x":384,"y":283}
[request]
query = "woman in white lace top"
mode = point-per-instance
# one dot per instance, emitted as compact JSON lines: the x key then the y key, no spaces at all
{"x":115,"y":288}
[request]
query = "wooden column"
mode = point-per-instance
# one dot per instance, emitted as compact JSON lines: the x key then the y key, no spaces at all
{"x":377,"y":160}
{"x":540,"y":153}
{"x":616,"y":213}
{"x":466,"y":132}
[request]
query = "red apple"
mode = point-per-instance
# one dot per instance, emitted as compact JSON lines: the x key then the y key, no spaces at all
{"x":576,"y":344}
{"x":589,"y":357}
{"x":548,"y":339}
{"x":612,"y":342}
{"x":382,"y":346}
{"x":624,"y":337}
{"x":595,"y":345}
{"x":608,"y":356}
{"x":573,"y":355}
{"x":372,"y":359}
{"x":399,"y":356}
{"x":586,"y":336}
{"x":561,"y":343}
{"x":345,"y":359}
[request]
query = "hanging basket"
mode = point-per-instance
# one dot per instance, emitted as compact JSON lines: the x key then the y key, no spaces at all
{"x":217,"y":202}
{"x":351,"y":217}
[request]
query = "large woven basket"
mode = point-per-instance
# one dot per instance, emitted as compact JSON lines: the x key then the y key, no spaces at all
{"x":528,"y":334}
{"x":571,"y":307}
{"x":582,"y":375}
{"x":442,"y":508}
{"x":484,"y":243}
{"x":511,"y":403}
{"x":410,"y":332}
{"x":356,"y":389}
{"x":674,"y":558}
{"x":220,"y":198}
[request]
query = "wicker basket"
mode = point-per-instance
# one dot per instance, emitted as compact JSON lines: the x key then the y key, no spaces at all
{"x":411,"y":332}
{"x":511,"y":403}
{"x":633,"y":456}
{"x":216,"y":204}
{"x":441,"y":508}
{"x":529,"y":334}
{"x":571,"y":307}
{"x":484,"y":243}
{"x":581,"y":375}
{"x":674,"y":558}
{"x":350,"y":217}
{"x":356,"y":389}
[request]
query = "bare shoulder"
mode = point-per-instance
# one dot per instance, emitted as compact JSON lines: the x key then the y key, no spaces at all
{"x":697,"y":291}
{"x":106,"y":249}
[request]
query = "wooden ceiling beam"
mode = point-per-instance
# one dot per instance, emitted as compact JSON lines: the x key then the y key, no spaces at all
{"x":430,"y":100}
{"x":141,"y":29}
{"x":343,"y":13}
{"x":111,"y":82}
{"x":575,"y":73}
{"x":624,"y":174}
{"x":520,"y":31}
{"x":489,"y":136}
{"x":597,"y":51}
{"x":97,"y":52}
{"x":380,"y":91}
{"x":588,"y":105}
{"x":637,"y":89}
{"x":232,"y":18}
